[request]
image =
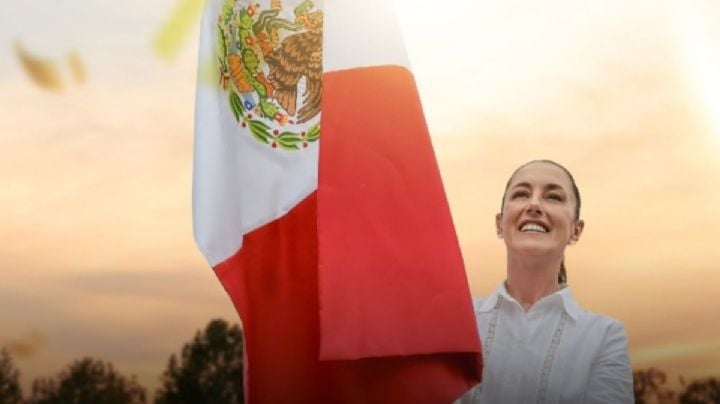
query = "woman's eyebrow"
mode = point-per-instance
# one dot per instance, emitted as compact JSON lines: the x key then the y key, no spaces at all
{"x":548,"y":187}
{"x":552,"y":187}
{"x":522,"y":184}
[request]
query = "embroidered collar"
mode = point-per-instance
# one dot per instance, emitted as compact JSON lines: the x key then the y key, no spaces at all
{"x":565,"y":295}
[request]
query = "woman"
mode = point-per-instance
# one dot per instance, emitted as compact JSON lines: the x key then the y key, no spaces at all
{"x":539,"y":346}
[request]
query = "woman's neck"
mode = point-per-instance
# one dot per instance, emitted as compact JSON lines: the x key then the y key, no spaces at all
{"x":531,"y":279}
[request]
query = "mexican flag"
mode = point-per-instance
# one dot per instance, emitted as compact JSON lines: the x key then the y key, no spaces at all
{"x":318,"y":202}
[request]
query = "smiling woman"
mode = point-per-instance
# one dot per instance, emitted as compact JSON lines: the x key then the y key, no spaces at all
{"x":538,"y":344}
{"x":521,"y":190}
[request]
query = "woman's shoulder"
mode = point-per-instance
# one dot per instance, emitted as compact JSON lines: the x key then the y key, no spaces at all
{"x":587,"y":318}
{"x":591,"y":323}
{"x":606,"y":322}
{"x":484,"y":304}
{"x":597,"y":319}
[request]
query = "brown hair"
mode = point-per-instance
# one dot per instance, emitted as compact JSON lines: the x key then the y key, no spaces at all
{"x":562,"y":275}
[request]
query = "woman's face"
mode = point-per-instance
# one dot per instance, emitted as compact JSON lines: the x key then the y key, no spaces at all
{"x":538,"y":216}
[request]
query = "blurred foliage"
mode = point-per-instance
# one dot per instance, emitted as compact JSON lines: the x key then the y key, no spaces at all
{"x":649,"y":387}
{"x":77,"y":67}
{"x":43,"y":72}
{"x":10,"y":392}
{"x":701,"y":392}
{"x":209,"y":370}
{"x":169,"y":39}
{"x":46,"y":73}
{"x":87,"y":381}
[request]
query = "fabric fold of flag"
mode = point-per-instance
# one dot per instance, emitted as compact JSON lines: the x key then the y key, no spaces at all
{"x":318,"y":201}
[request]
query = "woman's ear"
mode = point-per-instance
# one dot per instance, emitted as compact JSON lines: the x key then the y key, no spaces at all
{"x":577,"y":231}
{"x":498,"y":225}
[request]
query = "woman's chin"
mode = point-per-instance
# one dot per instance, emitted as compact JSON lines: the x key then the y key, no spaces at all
{"x":534,"y":248}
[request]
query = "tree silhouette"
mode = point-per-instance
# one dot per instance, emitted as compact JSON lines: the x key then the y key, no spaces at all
{"x":701,"y":392}
{"x":87,"y":381}
{"x":210,"y":369}
{"x":10,"y":392}
{"x":649,"y":386}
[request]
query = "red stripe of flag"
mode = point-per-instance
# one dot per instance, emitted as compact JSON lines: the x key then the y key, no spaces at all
{"x":392,"y":279}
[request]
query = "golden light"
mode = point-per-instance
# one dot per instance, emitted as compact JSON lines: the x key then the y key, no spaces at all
{"x":700,"y":47}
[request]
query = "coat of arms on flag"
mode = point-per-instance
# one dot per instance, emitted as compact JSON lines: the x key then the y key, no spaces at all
{"x":271,"y":67}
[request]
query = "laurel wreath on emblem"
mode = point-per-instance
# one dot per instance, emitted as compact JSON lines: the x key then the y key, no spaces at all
{"x":265,"y":62}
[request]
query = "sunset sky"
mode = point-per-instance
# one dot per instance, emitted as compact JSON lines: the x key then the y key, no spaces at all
{"x":97,"y":256}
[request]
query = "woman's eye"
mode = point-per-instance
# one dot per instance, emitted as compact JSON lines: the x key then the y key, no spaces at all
{"x":556,"y":197}
{"x":519,"y":194}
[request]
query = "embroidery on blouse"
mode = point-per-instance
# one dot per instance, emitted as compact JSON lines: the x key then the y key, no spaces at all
{"x":491,"y":330}
{"x":549,"y":358}
{"x":487,"y":346}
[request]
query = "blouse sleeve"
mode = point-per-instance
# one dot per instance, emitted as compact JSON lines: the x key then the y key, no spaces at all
{"x":611,"y":375}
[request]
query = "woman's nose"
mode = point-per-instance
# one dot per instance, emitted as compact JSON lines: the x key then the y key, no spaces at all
{"x":533,"y":205}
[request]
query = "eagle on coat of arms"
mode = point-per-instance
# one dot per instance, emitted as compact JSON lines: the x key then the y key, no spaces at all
{"x":271,"y":68}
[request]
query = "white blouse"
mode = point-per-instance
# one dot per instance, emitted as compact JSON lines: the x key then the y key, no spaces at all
{"x":554,"y":353}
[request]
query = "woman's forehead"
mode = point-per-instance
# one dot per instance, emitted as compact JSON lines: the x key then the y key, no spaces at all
{"x":541,"y":174}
